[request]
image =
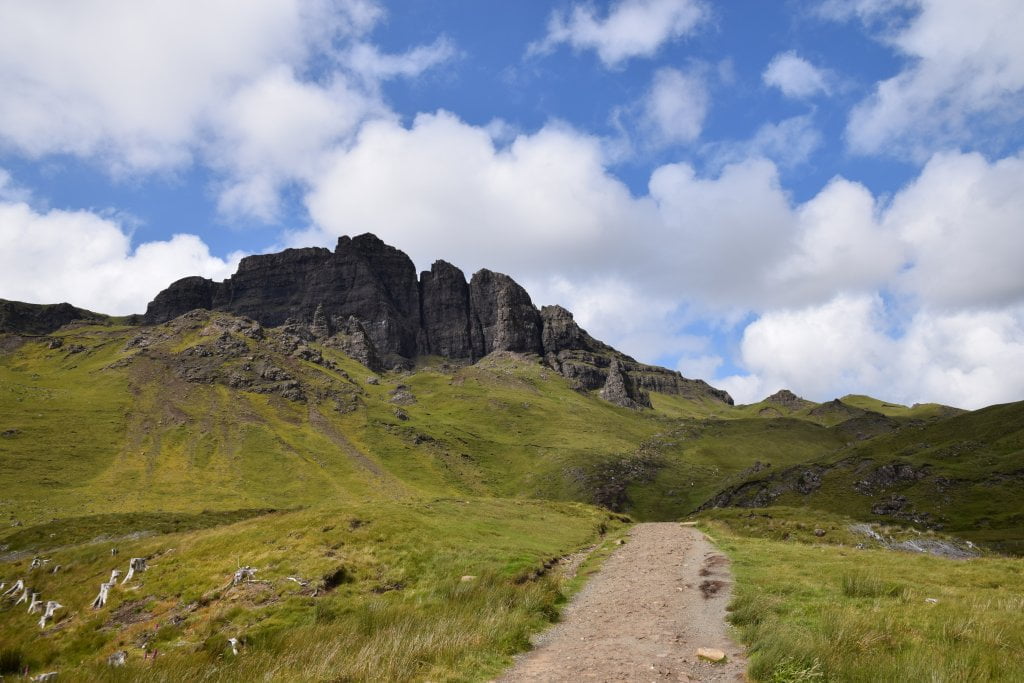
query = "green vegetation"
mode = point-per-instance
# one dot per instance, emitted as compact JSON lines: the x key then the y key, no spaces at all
{"x":382,"y":491}
{"x":818,"y":608}
{"x":962,"y":474}
{"x":384,"y":579}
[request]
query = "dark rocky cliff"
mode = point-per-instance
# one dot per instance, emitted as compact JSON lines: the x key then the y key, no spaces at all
{"x":365,"y":298}
{"x":17,"y":317}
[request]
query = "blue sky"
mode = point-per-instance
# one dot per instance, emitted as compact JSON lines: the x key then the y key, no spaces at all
{"x":826,"y":196}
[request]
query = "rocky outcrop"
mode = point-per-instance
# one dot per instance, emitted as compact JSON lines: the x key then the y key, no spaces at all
{"x":784,"y":398}
{"x":559,"y":331}
{"x":502,"y":316}
{"x":444,"y":306}
{"x":365,"y":299}
{"x":836,"y":409}
{"x":362,"y":277}
{"x":17,"y":317}
{"x":620,"y":389}
{"x":182,"y":296}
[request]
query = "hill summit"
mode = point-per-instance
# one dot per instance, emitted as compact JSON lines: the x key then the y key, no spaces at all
{"x":365,"y":299}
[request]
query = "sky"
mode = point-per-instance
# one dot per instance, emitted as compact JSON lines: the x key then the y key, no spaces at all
{"x":825,"y":196}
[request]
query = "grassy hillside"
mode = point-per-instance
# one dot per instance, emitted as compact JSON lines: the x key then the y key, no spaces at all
{"x":386,"y":580}
{"x":820,"y":608}
{"x":962,"y":475}
{"x":208,"y":443}
{"x":179,"y":418}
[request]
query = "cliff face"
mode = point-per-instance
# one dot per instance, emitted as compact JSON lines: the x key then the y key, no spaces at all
{"x":21,"y":318}
{"x":365,"y":297}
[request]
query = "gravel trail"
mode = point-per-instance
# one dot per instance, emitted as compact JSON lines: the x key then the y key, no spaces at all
{"x":657,"y":599}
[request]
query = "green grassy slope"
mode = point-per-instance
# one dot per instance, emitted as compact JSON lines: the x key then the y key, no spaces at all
{"x":963,"y":474}
{"x":107,"y":424}
{"x":819,"y":608}
{"x":385,"y":579}
{"x":204,"y":445}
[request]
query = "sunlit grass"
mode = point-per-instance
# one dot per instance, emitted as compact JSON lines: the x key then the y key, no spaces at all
{"x":811,"y":609}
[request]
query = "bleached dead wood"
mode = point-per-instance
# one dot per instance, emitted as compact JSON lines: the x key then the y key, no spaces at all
{"x":35,"y":604}
{"x":51,"y":607}
{"x":18,"y":587}
{"x":137,"y":564}
{"x":101,"y":599}
{"x":244,"y":574}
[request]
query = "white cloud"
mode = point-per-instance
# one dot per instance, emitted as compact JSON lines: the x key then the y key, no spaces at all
{"x":442,"y":189}
{"x":866,"y":10}
{"x":699,"y":366}
{"x":544,"y":208}
{"x":962,"y":221}
{"x":546,"y":204}
{"x":839,"y":245}
{"x":965,"y":75}
{"x":968,"y":359}
{"x":277,"y":129}
{"x":140,"y":87}
{"x":369,"y":62}
{"x":87,"y":260}
{"x":11,"y":191}
{"x":675,"y":106}
{"x":718,"y":237}
{"x":632,"y":28}
{"x":788,"y":143}
{"x":618,"y":312}
{"x":817,"y":350}
{"x":795,"y":76}
{"x":129,"y":81}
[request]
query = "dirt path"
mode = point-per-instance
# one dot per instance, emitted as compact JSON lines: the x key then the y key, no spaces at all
{"x":661,"y":596}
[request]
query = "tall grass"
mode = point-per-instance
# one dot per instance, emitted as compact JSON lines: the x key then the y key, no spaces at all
{"x":832,"y":612}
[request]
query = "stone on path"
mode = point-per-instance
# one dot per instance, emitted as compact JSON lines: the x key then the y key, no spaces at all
{"x":710,"y":654}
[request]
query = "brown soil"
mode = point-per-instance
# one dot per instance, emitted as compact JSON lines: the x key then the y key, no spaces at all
{"x":643,"y":616}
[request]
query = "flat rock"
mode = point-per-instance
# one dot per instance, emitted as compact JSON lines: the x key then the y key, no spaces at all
{"x":710,"y":654}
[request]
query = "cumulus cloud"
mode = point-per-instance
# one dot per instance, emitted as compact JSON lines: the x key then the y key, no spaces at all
{"x":839,"y":245}
{"x":675,"y":106}
{"x":941,"y":250}
{"x":132,"y":82}
{"x":617,"y":311}
{"x":967,"y":359}
{"x":140,"y":87}
{"x":542,"y":204}
{"x":964,"y":75}
{"x":275,"y":129}
{"x":632,"y":28}
{"x":961,"y":221}
{"x":88,"y":260}
{"x":546,"y":203}
{"x":795,"y":76}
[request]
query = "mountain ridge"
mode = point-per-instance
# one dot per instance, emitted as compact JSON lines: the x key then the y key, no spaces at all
{"x":366,"y":299}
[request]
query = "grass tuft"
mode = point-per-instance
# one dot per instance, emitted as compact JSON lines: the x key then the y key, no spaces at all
{"x":866,"y":585}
